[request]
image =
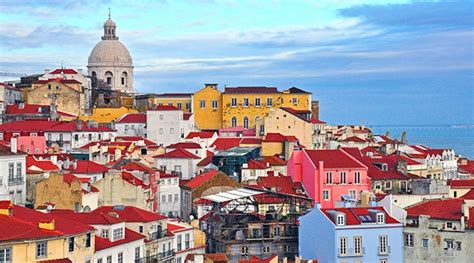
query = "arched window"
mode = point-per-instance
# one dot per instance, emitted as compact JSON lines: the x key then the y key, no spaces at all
{"x":109,"y":77}
{"x":246,"y":122}
{"x":124,"y":78}
{"x":234,"y":121}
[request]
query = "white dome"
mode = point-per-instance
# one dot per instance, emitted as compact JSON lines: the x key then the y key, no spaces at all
{"x":110,"y":52}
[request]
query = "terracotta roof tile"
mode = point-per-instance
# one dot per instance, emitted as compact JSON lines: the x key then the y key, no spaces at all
{"x":178,"y":153}
{"x":201,"y":178}
{"x":333,"y":159}
{"x":133,"y":118}
{"x":131,"y":213}
{"x":130,"y":236}
{"x":445,"y":209}
{"x":201,"y":134}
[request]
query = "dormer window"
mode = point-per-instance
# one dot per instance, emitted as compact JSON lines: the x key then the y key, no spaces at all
{"x":118,"y":234}
{"x":380,"y":218}
{"x":449,"y":225}
{"x":105,"y":233}
{"x":340,"y":220}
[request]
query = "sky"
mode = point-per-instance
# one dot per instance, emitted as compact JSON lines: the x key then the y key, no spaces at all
{"x":373,"y":62}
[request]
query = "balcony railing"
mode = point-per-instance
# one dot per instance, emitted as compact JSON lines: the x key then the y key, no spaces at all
{"x":158,"y":234}
{"x":352,"y":253}
{"x":159,"y":257}
{"x":385,"y":251}
{"x":15,"y":181}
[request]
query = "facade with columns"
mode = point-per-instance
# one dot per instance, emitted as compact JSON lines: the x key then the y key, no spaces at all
{"x":111,"y":62}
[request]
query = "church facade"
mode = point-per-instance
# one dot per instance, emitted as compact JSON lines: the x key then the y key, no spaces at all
{"x":111,"y":62}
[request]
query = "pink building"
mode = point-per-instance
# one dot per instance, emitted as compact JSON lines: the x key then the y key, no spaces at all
{"x":327,"y":175}
{"x":30,"y":144}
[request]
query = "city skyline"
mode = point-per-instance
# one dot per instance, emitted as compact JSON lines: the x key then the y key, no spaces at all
{"x":415,"y":68}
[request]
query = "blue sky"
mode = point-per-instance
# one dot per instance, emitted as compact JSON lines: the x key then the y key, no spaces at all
{"x":370,"y":62}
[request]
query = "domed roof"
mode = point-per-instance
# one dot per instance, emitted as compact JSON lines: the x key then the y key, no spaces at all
{"x":110,"y":52}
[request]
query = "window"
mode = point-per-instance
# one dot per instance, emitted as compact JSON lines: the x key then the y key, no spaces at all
{"x":202,"y":104}
{"x":266,"y":249}
{"x":244,"y":251}
{"x":357,"y":177}
{"x":408,"y":239}
{"x":234,"y":122}
{"x":171,"y":131}
{"x":176,"y":197}
{"x":325,"y":194}
{"x":378,"y":185}
{"x":161,"y":130}
{"x":214,"y":104}
{"x":343,"y":178}
{"x":88,"y":240}
{"x":455,"y":194}
{"x":257,"y":102}
{"x":179,"y":243}
{"x":328,"y":178}
{"x":358,"y":245}
{"x":233,"y":102}
{"x":120,"y":257}
{"x":246,"y":122}
{"x":340,"y":220}
{"x":5,"y":255}
{"x":71,"y":244}
{"x":186,"y":241}
{"x":388,"y":185}
{"x":343,"y":246}
{"x":177,"y":168}
{"x":383,"y":261}
{"x":109,"y":80}
{"x":188,"y":105}
{"x":41,"y":249}
{"x":170,"y":198}
{"x":246,"y":102}
{"x":449,"y":225}
{"x":49,"y":86}
{"x":109,"y":259}
{"x":11,"y":172}
{"x":118,"y":234}
{"x":380,"y":218}
{"x":458,"y":245}
{"x":137,"y":253}
{"x":140,"y":229}
{"x":163,"y":198}
{"x":99,"y":260}
{"x":170,"y":103}
{"x":269,"y":102}
{"x":425,"y":242}
{"x":105,"y":233}
{"x":353,"y":194}
{"x":383,"y":247}
{"x":294,"y":100}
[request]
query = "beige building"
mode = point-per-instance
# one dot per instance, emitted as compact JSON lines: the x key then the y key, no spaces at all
{"x":288,"y":121}
{"x":115,"y":190}
{"x":66,"y":94}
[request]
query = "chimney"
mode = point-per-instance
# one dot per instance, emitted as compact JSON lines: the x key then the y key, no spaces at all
{"x":404,"y":137}
{"x":13,"y":145}
{"x":315,"y":109}
{"x":211,"y":85}
{"x":387,"y":133}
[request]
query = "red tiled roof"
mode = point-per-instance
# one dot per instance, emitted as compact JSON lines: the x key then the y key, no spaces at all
{"x":280,"y":184}
{"x":60,"y":80}
{"x":207,"y":160}
{"x":131,"y":179}
{"x":130,"y":236}
{"x":165,"y":108}
{"x":135,"y":139}
{"x":44,"y":165}
{"x":201,"y":134}
{"x":354,"y":139}
{"x":23,"y":224}
{"x":133,"y":118}
{"x":27,"y":109}
{"x":28,"y":126}
{"x":445,"y":209}
{"x":131,"y":214}
{"x":87,"y":167}
{"x":467,"y":168}
{"x":254,"y":90}
{"x":59,"y":260}
{"x":277,"y":137}
{"x":63,"y":71}
{"x":250,"y":140}
{"x":217,"y":257}
{"x":176,"y":228}
{"x":255,"y":164}
{"x":469,"y":195}
{"x":187,"y":116}
{"x":354,"y":151}
{"x":89,"y":218}
{"x":137,"y":166}
{"x":274,"y":160}
{"x":68,"y":178}
{"x":333,"y":159}
{"x":225,"y":143}
{"x":317,"y":121}
{"x":353,"y":215}
{"x":178,"y":153}
{"x":164,"y":175}
{"x":73,"y":126}
{"x":199,"y":179}
{"x":255,"y":259}
{"x":184,"y":145}
{"x":468,"y":183}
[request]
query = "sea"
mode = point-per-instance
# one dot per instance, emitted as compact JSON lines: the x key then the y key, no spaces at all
{"x":460,"y":138}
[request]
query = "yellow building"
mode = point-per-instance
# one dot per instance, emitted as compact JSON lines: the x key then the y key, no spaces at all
{"x":182,"y":101}
{"x":32,"y":236}
{"x":67,"y":94}
{"x":288,"y":121}
{"x":107,"y":115}
{"x":207,"y":108}
{"x":242,"y":106}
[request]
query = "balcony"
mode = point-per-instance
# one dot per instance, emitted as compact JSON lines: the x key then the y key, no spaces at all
{"x":15,"y":181}
{"x":384,"y":251}
{"x":351,"y":253}
{"x":166,"y":256}
{"x":158,"y":234}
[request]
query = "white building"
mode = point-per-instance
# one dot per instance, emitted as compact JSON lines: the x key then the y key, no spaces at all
{"x":184,"y":240}
{"x":191,"y":147}
{"x":75,"y":134}
{"x":8,"y":96}
{"x":131,"y":124}
{"x":167,"y":125}
{"x":13,"y":175}
{"x":169,"y":195}
{"x":111,"y":62}
{"x":179,"y":161}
